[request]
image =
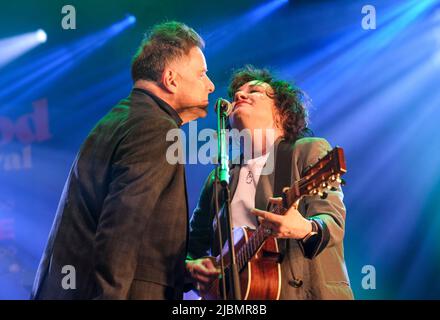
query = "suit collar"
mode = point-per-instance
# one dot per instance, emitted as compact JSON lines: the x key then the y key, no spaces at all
{"x":161,"y":103}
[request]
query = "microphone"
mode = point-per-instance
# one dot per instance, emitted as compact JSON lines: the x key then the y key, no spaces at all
{"x":224,"y":106}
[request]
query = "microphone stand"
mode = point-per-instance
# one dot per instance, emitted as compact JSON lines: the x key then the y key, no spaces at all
{"x":223,"y":173}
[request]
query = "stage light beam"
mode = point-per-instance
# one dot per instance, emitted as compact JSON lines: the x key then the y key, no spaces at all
{"x":61,"y":60}
{"x":13,"y":47}
{"x":41,"y":36}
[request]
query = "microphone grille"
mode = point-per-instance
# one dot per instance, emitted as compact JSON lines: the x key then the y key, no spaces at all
{"x":225,"y":106}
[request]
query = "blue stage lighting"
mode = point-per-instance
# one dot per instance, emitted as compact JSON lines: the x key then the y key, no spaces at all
{"x":13,"y":47}
{"x":41,"y":35}
{"x":223,"y":35}
{"x":131,"y":19}
{"x":122,"y":25}
{"x":59,"y":61}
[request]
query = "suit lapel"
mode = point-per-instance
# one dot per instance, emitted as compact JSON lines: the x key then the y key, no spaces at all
{"x":233,"y":181}
{"x":266,"y":182}
{"x":264,"y":192}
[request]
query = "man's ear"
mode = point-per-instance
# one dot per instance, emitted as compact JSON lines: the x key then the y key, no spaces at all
{"x":169,"y":80}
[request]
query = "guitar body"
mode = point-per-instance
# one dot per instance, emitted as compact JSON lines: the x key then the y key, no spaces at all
{"x":260,"y":278}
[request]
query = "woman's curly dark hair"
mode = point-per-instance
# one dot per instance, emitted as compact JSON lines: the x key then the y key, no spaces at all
{"x":289,"y":100}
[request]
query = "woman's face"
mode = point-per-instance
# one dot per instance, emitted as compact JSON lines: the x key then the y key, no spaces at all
{"x":254,"y":107}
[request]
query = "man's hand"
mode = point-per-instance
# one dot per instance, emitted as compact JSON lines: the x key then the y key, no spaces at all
{"x":203,"y":272}
{"x":290,"y":225}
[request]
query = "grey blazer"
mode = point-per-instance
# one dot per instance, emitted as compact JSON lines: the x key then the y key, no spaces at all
{"x":320,"y":274}
{"x":122,"y":218}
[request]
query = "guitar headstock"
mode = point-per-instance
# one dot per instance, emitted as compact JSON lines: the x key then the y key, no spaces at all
{"x":324,"y":175}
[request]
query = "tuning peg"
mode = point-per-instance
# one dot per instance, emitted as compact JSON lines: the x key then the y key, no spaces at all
{"x":338,"y":178}
{"x":324,"y":185}
{"x":324,"y":195}
{"x":333,"y":189}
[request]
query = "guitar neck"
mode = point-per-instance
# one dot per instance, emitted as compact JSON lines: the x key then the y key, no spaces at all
{"x":255,"y":241}
{"x":249,"y":249}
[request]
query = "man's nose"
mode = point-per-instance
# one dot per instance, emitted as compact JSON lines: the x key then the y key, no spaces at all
{"x":211,"y":86}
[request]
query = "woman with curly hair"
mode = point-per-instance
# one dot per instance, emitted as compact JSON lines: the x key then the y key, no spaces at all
{"x":309,"y":235}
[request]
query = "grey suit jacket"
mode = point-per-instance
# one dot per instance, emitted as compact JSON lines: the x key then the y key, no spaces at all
{"x":122,"y":218}
{"x":320,"y":275}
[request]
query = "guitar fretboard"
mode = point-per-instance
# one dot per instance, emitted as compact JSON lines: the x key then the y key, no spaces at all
{"x":248,"y":250}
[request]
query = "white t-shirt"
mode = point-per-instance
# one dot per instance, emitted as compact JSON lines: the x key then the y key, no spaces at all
{"x":244,"y":197}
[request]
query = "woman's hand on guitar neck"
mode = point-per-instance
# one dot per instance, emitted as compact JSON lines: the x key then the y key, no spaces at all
{"x":203,"y":272}
{"x":290,"y":225}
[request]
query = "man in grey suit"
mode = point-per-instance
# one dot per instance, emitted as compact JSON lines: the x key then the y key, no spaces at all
{"x":311,"y":236}
{"x":121,"y":224}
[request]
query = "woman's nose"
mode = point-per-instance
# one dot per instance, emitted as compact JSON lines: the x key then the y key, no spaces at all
{"x":240,"y":95}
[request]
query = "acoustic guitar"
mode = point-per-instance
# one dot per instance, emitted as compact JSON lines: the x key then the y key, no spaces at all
{"x":257,"y":254}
